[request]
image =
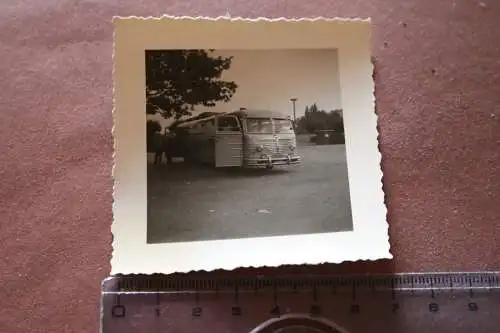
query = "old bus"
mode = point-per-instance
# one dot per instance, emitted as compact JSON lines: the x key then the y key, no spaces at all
{"x":243,"y":138}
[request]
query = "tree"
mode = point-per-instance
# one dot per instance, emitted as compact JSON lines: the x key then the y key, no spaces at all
{"x":179,"y":80}
{"x":336,"y":121}
{"x":315,"y":119}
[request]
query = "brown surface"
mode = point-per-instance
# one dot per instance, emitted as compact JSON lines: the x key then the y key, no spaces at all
{"x":438,"y":97}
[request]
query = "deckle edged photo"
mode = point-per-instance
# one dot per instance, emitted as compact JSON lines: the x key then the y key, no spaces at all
{"x":241,"y":145}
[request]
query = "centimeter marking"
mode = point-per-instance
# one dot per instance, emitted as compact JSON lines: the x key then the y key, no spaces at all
{"x":412,"y":282}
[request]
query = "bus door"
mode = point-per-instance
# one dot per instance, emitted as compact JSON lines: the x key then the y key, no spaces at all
{"x":228,"y":142}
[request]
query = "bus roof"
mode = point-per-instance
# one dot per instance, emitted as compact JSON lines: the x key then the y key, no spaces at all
{"x":255,"y":113}
{"x":246,"y":113}
{"x":195,"y":121}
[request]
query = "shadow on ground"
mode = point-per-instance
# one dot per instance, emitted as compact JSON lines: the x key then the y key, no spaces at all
{"x":179,"y":168}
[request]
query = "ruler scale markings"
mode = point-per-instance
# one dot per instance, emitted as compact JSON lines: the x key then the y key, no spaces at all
{"x":412,"y":286}
{"x":397,"y":283}
{"x":334,"y":287}
{"x":158,"y":303}
{"x":372,"y":284}
{"x":432,"y":288}
{"x":275,"y":294}
{"x":236,"y":294}
{"x":393,"y":290}
{"x":275,"y":311}
{"x":353,"y":292}
{"x":481,"y":286}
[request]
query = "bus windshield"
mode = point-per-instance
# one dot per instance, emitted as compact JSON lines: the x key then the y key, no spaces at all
{"x":259,"y":125}
{"x":283,"y":126}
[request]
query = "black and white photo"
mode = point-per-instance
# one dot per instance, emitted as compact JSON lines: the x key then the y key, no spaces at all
{"x":244,"y":143}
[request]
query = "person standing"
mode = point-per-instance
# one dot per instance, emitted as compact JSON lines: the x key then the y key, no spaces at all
{"x":168,"y":146}
{"x":158,"y":147}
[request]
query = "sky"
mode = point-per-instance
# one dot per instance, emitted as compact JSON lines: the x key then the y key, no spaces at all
{"x":268,"y":79}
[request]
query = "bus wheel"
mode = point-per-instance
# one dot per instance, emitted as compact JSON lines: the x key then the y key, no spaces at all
{"x":269,"y":166}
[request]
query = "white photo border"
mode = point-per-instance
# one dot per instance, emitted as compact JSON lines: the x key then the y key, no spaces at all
{"x":133,"y":35}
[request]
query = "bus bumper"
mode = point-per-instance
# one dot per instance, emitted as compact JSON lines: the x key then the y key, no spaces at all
{"x":270,"y":161}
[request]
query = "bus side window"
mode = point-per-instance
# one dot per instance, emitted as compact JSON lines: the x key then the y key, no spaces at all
{"x":208,"y":126}
{"x":228,"y":124}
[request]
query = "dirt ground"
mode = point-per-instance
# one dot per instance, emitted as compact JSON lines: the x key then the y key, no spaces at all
{"x":192,"y":202}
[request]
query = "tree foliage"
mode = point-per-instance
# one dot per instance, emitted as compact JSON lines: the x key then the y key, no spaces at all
{"x":315,"y":119}
{"x":179,"y":80}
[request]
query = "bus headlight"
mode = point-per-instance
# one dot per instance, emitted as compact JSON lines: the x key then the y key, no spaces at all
{"x":259,"y":148}
{"x":292,"y":147}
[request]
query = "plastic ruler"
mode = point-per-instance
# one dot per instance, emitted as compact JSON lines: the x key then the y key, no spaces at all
{"x":395,"y":303}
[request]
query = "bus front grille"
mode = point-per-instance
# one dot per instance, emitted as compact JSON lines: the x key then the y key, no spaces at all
{"x":275,"y":147}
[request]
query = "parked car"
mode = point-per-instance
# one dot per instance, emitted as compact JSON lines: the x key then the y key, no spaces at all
{"x":329,"y":137}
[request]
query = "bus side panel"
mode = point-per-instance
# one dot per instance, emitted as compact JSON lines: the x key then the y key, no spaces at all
{"x":229,"y":150}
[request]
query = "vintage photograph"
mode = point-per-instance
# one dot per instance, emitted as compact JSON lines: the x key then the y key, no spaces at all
{"x":244,"y":143}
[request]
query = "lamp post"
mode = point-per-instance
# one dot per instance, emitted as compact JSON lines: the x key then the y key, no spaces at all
{"x":293,"y":100}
